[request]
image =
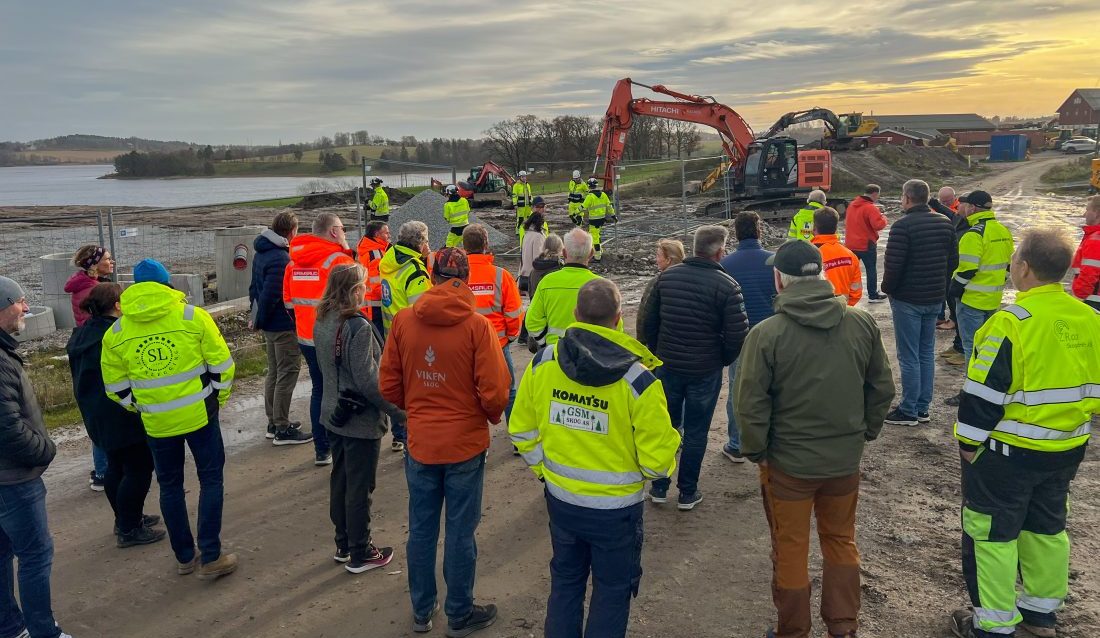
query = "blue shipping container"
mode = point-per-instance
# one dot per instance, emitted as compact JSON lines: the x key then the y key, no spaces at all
{"x":1008,"y":148}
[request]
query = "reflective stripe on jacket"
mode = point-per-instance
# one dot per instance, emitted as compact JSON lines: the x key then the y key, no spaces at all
{"x":311,"y":260}
{"x":577,"y":192}
{"x":1086,"y":268}
{"x":521,"y":195}
{"x":457,"y":212}
{"x":595,"y":445}
{"x":802,"y":224}
{"x":985,"y":250}
{"x":497,"y":296}
{"x":369,"y":253}
{"x":1034,"y":377}
{"x":841,"y":268}
{"x":404,"y":279}
{"x":597,"y":205}
{"x":166,"y":360}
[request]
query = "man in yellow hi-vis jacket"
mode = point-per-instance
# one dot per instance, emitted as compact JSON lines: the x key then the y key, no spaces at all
{"x":168,"y":361}
{"x":591,"y":420}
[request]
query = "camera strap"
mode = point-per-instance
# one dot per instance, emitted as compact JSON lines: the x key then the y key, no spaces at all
{"x":340,"y":343}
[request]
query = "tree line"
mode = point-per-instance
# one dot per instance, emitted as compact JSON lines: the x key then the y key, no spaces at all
{"x":165,"y":163}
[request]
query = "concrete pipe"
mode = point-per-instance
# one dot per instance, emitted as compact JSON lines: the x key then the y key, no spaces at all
{"x":56,"y":270}
{"x":40,"y":323}
{"x":233,"y":254}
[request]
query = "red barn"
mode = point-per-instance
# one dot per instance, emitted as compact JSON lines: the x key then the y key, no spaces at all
{"x":1081,"y":109}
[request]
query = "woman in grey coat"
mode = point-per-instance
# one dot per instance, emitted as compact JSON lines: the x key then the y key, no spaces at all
{"x":354,"y":413}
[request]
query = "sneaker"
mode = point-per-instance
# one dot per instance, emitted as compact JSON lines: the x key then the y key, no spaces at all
{"x":95,"y":483}
{"x":424,"y":625}
{"x":954,"y":359}
{"x":225,"y":565}
{"x":732,"y":455}
{"x":27,"y":634}
{"x":376,"y":557}
{"x":324,"y":458}
{"x":293,"y":435}
{"x":397,"y":446}
{"x":877,"y":299}
{"x":140,"y":536}
{"x":962,"y":623}
{"x":342,"y":555}
{"x":924,"y":417}
{"x":1039,"y":632}
{"x":184,"y":569}
{"x":270,"y":431}
{"x":147,"y":520}
{"x":480,"y":618}
{"x":689,"y":501}
{"x":949,"y":350}
{"x":657,"y":495}
{"x":897,"y":417}
{"x":946,"y":324}
{"x":954,"y":401}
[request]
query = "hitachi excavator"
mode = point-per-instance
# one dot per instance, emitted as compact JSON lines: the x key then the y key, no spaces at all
{"x":763,"y":173}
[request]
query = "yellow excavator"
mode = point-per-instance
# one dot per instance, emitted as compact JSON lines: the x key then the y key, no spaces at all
{"x":1094,"y":183}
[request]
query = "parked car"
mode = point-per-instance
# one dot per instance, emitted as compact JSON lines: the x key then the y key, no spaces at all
{"x":1079,"y":145}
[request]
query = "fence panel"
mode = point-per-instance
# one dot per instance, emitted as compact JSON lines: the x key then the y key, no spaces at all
{"x":23,"y":240}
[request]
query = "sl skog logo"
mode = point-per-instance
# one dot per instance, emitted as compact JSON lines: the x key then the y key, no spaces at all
{"x":387,"y":294}
{"x":156,"y":353}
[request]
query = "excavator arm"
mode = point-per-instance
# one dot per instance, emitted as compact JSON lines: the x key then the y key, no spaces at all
{"x":838,"y":129}
{"x":734,"y":131}
{"x":492,"y":168}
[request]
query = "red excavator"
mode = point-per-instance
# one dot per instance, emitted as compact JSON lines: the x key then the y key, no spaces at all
{"x":767,"y":172}
{"x":490,"y":177}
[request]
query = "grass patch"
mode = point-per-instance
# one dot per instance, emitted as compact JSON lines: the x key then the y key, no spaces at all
{"x":282,"y":202}
{"x":1076,"y":170}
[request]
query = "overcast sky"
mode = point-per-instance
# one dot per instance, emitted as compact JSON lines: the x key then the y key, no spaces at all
{"x":260,"y":71}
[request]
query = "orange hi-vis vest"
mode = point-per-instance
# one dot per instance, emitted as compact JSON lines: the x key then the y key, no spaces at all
{"x":841,"y":267}
{"x":497,"y":296}
{"x":369,"y":253}
{"x":311,"y":260}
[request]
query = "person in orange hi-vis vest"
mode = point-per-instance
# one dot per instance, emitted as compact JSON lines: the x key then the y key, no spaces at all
{"x":497,"y":296}
{"x":840,"y":263}
{"x":312,"y":257}
{"x":375,"y":241}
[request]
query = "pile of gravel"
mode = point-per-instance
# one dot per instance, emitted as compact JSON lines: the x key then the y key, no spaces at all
{"x":427,"y":206}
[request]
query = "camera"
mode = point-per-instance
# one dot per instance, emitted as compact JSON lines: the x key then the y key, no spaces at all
{"x":347,"y":405}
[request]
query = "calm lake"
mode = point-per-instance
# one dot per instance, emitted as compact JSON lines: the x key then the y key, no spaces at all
{"x":78,"y":185}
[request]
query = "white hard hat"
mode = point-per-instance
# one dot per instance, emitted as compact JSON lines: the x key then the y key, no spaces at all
{"x":451,"y":188}
{"x":576,"y":174}
{"x":523,"y":173}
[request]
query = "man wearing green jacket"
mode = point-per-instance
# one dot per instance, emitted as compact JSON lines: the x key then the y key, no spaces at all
{"x":813,"y":387}
{"x":802,"y":224}
{"x":379,"y":205}
{"x":168,"y":361}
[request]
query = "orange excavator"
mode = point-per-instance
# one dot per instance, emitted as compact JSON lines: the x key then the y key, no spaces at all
{"x":490,"y":177}
{"x":769,"y":172}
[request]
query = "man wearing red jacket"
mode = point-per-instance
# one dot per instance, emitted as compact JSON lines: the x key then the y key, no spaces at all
{"x":862,"y":224}
{"x":1086,"y":263}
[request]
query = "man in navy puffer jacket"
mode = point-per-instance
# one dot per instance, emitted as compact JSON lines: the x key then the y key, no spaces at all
{"x":747,"y":265}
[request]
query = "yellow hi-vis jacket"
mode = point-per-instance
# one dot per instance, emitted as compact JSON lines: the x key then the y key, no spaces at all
{"x":521,"y":198}
{"x":597,"y":205}
{"x":802,"y":224}
{"x":166,"y":360}
{"x":1034,"y":376}
{"x":551,"y":309}
{"x":591,"y":420}
{"x":578,"y":190}
{"x":380,"y":202}
{"x":404,"y":279}
{"x":985,"y":250}
{"x":457,"y":213}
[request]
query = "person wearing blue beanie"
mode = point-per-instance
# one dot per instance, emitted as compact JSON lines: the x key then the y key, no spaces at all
{"x":151,"y":270}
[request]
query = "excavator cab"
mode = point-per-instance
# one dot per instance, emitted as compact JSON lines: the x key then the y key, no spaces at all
{"x":772,"y":165}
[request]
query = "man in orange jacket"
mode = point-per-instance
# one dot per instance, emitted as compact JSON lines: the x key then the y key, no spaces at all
{"x":497,"y":296}
{"x":1086,"y":263}
{"x":862,"y":224}
{"x":444,"y":367}
{"x":375,"y":242}
{"x":312,"y":258}
{"x":841,"y":265}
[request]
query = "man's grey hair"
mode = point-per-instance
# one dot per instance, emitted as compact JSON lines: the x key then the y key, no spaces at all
{"x":916,"y":190}
{"x":1093,"y":203}
{"x":413,"y":234}
{"x":1048,"y":251}
{"x":790,"y":280}
{"x":599,"y":302}
{"x":818,"y":196}
{"x":578,"y":246}
{"x":323,"y":223}
{"x":946,"y":192}
{"x":709,"y":240}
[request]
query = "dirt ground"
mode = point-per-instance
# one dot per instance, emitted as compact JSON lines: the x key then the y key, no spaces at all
{"x":707,"y":572}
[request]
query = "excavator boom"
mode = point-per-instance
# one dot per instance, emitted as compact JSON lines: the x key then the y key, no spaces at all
{"x":838,"y":128}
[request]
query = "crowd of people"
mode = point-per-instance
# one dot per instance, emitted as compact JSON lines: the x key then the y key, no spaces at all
{"x":398,"y":339}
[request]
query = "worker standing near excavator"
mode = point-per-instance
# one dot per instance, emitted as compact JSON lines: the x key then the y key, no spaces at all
{"x":521,"y":201}
{"x":379,"y":205}
{"x":596,"y":209}
{"x":578,"y":190}
{"x":456,"y":212}
{"x":802,"y":225}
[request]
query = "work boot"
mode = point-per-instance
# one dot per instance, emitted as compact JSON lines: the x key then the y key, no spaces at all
{"x":480,"y":618}
{"x":962,"y":624}
{"x":225,"y":565}
{"x":140,"y":536}
{"x":950,"y":349}
{"x":147,"y":520}
{"x":1038,"y":631}
{"x":954,"y":401}
{"x":954,"y":359}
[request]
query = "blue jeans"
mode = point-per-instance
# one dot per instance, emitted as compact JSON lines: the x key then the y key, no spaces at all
{"x":99,"y":461}
{"x":691,"y":403}
{"x":734,"y":444}
{"x":459,"y":485}
{"x":969,"y":320}
{"x":25,"y":535}
{"x":512,"y":378}
{"x":869,"y":258}
{"x":206,"y":446}
{"x":915,"y":334}
{"x":320,"y":436}
{"x":605,"y":543}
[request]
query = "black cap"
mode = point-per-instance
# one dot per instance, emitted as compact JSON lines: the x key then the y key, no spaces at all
{"x":538,"y":201}
{"x":981,"y":199}
{"x":796,"y":258}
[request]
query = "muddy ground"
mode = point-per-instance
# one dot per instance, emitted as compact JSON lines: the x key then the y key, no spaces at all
{"x":707,"y":572}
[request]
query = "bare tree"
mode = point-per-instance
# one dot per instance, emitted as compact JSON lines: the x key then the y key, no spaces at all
{"x":513,"y":141}
{"x":362,"y":138}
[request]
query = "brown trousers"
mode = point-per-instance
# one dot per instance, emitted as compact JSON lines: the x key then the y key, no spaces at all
{"x":284,"y":360}
{"x":788,"y":504}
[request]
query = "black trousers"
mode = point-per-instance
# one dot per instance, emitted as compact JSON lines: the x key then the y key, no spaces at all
{"x":354,"y":466}
{"x":126,"y":483}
